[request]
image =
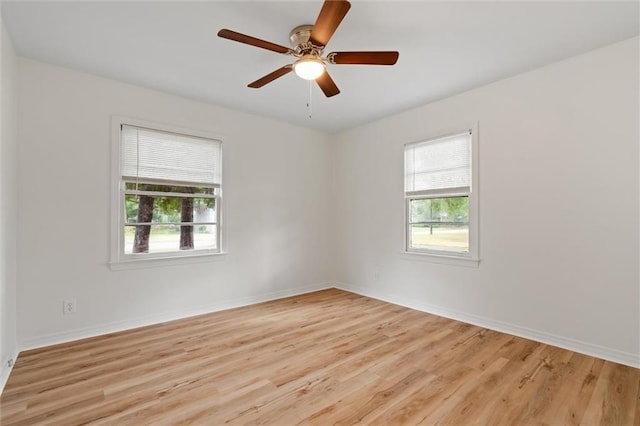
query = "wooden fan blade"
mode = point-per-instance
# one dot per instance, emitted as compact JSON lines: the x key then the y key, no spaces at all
{"x":363,"y":58}
{"x":331,"y":14}
{"x":271,"y":76}
{"x":327,"y":85}
{"x":252,"y":41}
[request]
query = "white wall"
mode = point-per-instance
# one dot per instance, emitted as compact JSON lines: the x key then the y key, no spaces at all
{"x":275,"y":205}
{"x":559,"y":215}
{"x":8,"y":205}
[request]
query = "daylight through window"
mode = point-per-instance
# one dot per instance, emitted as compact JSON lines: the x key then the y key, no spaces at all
{"x":169,"y":193}
{"x":438,"y":186}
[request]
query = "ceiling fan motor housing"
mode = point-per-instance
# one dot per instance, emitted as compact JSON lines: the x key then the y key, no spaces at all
{"x":299,"y":38}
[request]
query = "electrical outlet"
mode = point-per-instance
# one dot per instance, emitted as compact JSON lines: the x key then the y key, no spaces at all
{"x":68,"y":306}
{"x":10,"y":363}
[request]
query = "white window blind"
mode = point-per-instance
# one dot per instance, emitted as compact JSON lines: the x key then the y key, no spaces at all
{"x":162,"y":156}
{"x":438,"y":164}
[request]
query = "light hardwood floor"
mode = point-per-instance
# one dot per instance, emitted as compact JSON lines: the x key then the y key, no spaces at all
{"x":329,"y":357}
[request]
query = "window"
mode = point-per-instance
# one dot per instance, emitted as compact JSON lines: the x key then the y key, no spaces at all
{"x":168,"y":194}
{"x":441,"y":207}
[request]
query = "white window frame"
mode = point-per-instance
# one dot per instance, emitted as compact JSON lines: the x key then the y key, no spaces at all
{"x":472,"y":257}
{"x":119,"y":259}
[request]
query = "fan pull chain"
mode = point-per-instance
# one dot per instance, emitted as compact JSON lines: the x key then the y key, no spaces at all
{"x":309,"y":108}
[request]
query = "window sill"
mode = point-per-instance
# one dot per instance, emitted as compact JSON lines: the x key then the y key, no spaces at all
{"x":442,"y":258}
{"x":155,"y":262}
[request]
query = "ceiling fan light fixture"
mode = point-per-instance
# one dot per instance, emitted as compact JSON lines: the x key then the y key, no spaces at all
{"x":309,"y":67}
{"x":308,"y":43}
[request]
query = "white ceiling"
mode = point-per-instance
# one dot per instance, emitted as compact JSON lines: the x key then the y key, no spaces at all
{"x":445,"y":48}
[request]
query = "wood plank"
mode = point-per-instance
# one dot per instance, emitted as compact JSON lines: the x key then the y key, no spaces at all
{"x":614,"y":400}
{"x":329,"y":357}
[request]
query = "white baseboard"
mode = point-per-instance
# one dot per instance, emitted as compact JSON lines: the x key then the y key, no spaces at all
{"x":626,"y":358}
{"x":115,"y":326}
{"x":6,"y":371}
{"x":586,"y":348}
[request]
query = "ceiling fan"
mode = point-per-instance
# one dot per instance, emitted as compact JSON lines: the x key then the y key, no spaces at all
{"x":308,"y":43}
